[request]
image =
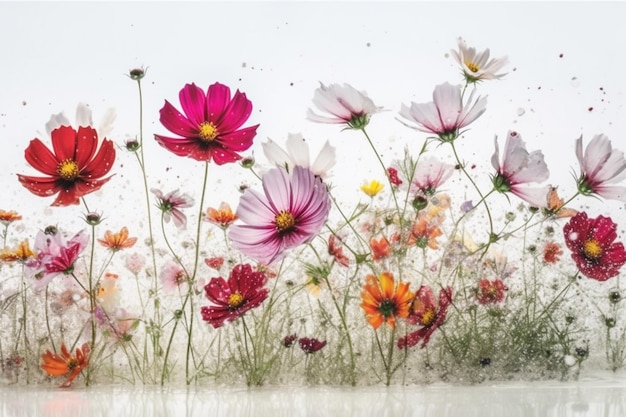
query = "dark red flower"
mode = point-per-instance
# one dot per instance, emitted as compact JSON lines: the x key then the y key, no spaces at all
{"x":242,"y":292}
{"x":593,"y":246}
{"x":76,"y":168}
{"x":288,"y":341}
{"x":310,"y":345}
{"x":427,"y":314}
{"x":490,"y":292}
{"x":336,"y":251}
{"x":210,"y":125}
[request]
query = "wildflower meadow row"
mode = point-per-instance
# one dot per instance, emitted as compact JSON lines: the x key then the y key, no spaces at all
{"x":425,"y":281}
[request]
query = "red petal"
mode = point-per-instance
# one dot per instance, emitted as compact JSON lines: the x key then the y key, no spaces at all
{"x":41,"y":158}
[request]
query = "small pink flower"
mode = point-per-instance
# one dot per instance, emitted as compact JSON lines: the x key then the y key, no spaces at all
{"x":171,"y":203}
{"x":446,"y":115}
{"x":430,"y":174}
{"x":135,"y":262}
{"x":601,"y":166}
{"x":477,"y":66}
{"x":344,"y":104}
{"x":211,"y":125}
{"x":173,"y":276}
{"x":518,"y":167}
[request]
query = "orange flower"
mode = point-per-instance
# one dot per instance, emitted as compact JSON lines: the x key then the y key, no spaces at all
{"x":551,"y":252}
{"x":65,"y":364}
{"x":223,"y":217}
{"x":21,"y":253}
{"x":117,"y":241}
{"x":383,"y":301}
{"x":380,"y":248}
{"x":7,"y":217}
{"x":555,"y":207}
{"x":424,"y":234}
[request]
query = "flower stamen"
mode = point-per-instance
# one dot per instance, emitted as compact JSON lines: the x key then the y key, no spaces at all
{"x":235,"y":300}
{"x":68,"y":170}
{"x":592,"y":249}
{"x":284,"y":221}
{"x":208,"y":131}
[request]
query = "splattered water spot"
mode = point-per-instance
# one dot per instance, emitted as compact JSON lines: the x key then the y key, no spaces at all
{"x":243,"y":65}
{"x":521,"y":111}
{"x":368,"y":44}
{"x":561,"y":55}
{"x":590,"y":109}
{"x":573,"y":236}
{"x":575,"y":82}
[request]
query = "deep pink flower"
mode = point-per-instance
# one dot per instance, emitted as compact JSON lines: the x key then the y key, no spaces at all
{"x":446,"y":115}
{"x":601,"y":166}
{"x":593,"y":246}
{"x":74,"y":168}
{"x":171,"y":203}
{"x":242,"y":292}
{"x":518,"y":167}
{"x":344,"y":104}
{"x":310,"y":344}
{"x":427,"y":314}
{"x":55,"y":256}
{"x":292,"y":210}
{"x":210,"y":127}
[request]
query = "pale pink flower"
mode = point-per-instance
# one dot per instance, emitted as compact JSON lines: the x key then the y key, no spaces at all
{"x":476,"y":66}
{"x":601,"y":166}
{"x":518,"y":167}
{"x":297,"y":154}
{"x":171,"y":203}
{"x":344,"y":105}
{"x":292,"y":210}
{"x":430,"y":174}
{"x":135,"y":262}
{"x":446,"y":115}
{"x":173,"y":276}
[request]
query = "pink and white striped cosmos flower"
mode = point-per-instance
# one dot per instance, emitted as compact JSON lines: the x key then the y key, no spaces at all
{"x":430,"y":174}
{"x":519,"y":167}
{"x":290,"y":212}
{"x":446,"y":115}
{"x":601,"y":166}
{"x":344,"y":104}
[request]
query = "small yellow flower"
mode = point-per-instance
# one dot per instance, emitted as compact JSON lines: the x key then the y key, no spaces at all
{"x":373,"y":188}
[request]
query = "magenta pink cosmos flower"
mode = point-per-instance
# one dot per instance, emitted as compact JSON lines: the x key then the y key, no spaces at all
{"x":518,"y":167}
{"x":210,"y":127}
{"x":292,"y":210}
{"x":55,"y":256}
{"x":344,"y":105}
{"x":242,"y":292}
{"x":601,"y":166}
{"x":427,"y":314}
{"x":593,"y":246}
{"x":170,"y":205}
{"x":446,"y":115}
{"x":476,"y":66}
{"x":310,"y":344}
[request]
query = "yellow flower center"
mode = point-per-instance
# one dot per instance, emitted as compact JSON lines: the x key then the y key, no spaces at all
{"x":235,"y":300}
{"x":592,"y":249}
{"x":68,"y":170}
{"x":208,"y":131}
{"x":471,"y":66}
{"x":428,"y":317}
{"x":284,"y":221}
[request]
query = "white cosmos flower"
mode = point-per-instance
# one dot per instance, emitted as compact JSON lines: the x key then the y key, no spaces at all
{"x":83,"y":118}
{"x":601,"y":166}
{"x":476,"y":66}
{"x":297,"y":154}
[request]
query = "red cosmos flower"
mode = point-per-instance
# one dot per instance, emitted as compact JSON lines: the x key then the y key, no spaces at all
{"x":66,"y":364}
{"x":593,"y":248}
{"x":425,"y":313}
{"x":490,"y":292}
{"x":242,"y":292}
{"x":552,"y":252}
{"x":74,"y":170}
{"x":380,"y":248}
{"x":210,"y":126}
{"x":310,"y":345}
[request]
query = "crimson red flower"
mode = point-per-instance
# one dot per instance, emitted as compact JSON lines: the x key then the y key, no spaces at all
{"x":73,"y":168}
{"x":593,"y":246}
{"x":311,"y":345}
{"x":242,"y":292}
{"x":425,"y":312}
{"x":490,"y":292}
{"x":210,"y":127}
